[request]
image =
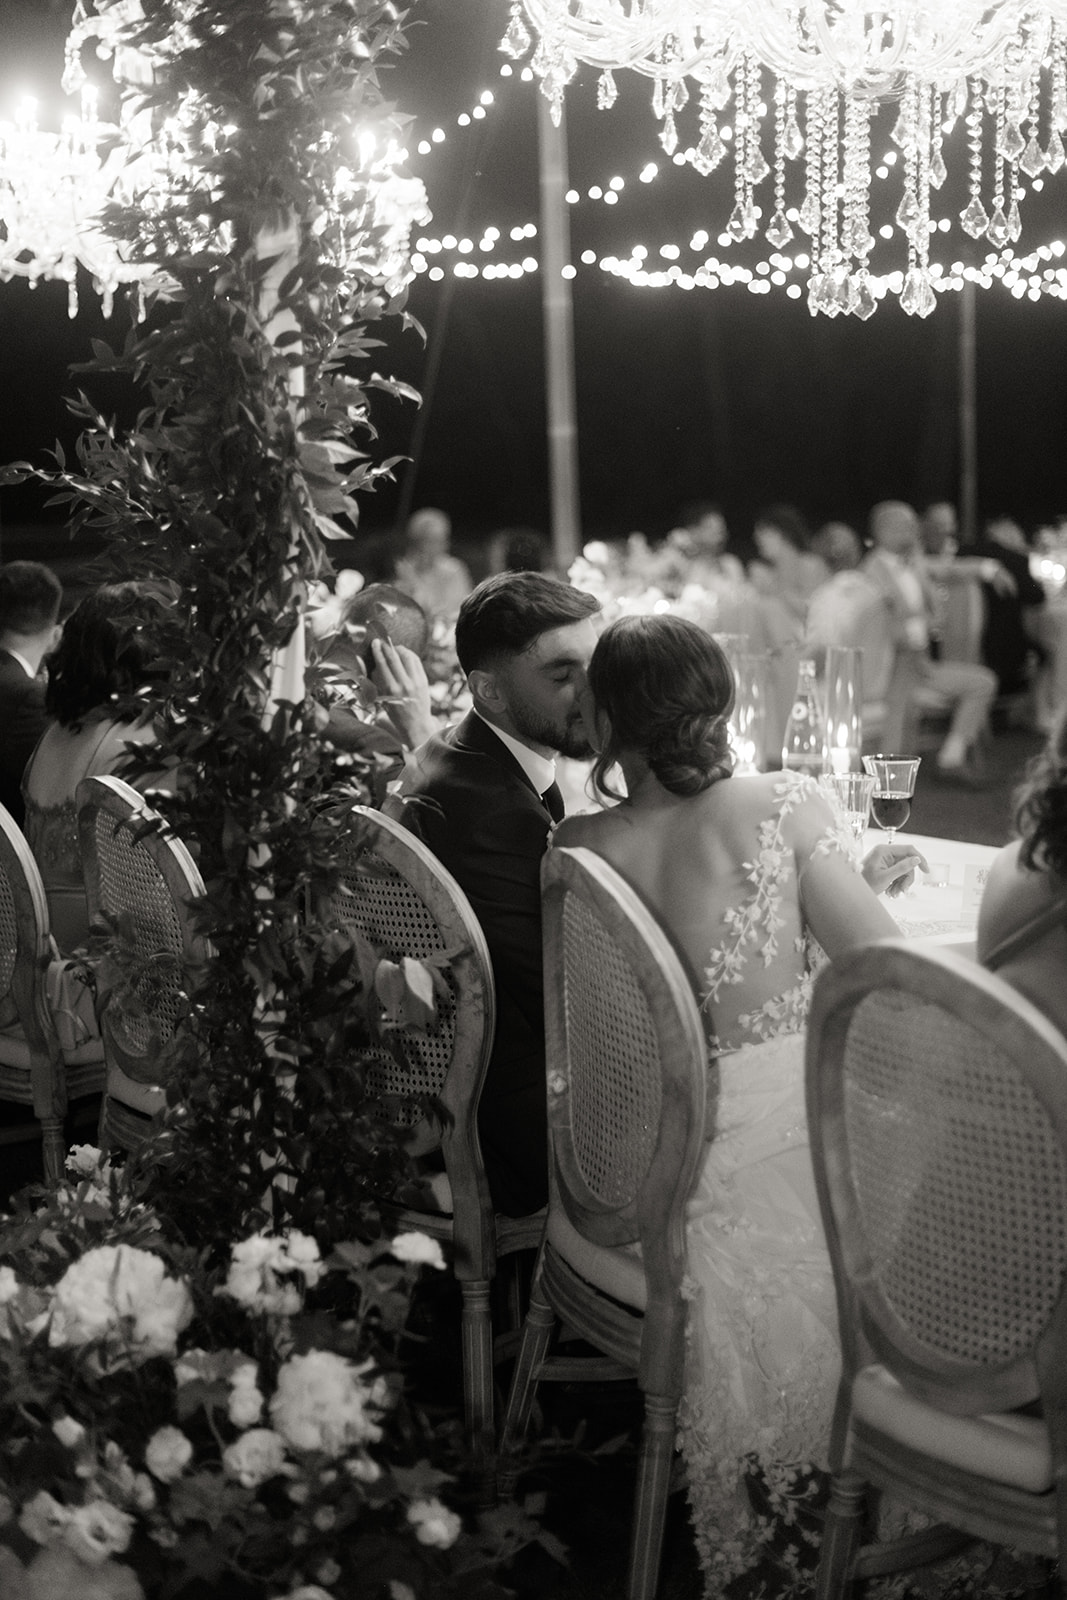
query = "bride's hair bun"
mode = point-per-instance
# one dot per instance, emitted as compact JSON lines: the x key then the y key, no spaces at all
{"x":667,"y":691}
{"x":691,"y":752}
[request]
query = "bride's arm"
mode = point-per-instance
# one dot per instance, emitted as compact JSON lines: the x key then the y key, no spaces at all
{"x":837,"y":906}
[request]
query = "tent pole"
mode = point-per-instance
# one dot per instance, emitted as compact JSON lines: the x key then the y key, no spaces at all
{"x":559,"y":340}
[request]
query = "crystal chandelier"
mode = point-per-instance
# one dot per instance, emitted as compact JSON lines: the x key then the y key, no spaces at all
{"x":794,"y":87}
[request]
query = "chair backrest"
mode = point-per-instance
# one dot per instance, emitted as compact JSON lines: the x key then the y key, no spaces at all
{"x":138,"y":874}
{"x":398,"y":896}
{"x":937,"y":1108}
{"x":25,"y":948}
{"x":627,"y":1066}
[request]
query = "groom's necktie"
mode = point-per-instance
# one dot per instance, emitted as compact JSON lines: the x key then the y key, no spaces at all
{"x":553,"y":799}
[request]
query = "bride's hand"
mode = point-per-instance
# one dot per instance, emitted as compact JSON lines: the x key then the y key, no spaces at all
{"x":890,"y":868}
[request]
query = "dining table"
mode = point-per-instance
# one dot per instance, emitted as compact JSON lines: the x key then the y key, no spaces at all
{"x":941,"y":907}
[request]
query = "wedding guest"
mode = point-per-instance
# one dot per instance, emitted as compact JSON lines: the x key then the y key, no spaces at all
{"x":1022,"y":920}
{"x":763,"y":1359}
{"x":30,"y":597}
{"x":427,"y":571}
{"x":787,"y":571}
{"x":98,"y":683}
{"x":702,"y":538}
{"x":372,"y":679}
{"x":898,"y":567}
{"x":483,"y":797}
{"x":1009,"y":646}
{"x":519,"y":550}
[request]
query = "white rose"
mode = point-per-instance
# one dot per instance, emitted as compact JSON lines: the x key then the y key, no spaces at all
{"x":302,"y":1255}
{"x":167,"y":1454}
{"x":9,"y":1285}
{"x":363,"y":1469}
{"x":245,"y":1405}
{"x":83,"y":1160}
{"x":255,"y":1264}
{"x":255,"y":1457}
{"x":97,"y":1531}
{"x":68,"y":1432}
{"x":419,"y":1249}
{"x":43,"y":1518}
{"x":118,"y":1290}
{"x":322,"y":1403}
{"x":434,"y":1524}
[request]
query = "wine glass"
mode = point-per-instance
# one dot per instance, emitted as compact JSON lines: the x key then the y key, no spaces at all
{"x":894,"y":785}
{"x":853,"y":791}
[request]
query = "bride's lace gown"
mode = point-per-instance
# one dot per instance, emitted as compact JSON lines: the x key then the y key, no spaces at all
{"x":763,"y":1360}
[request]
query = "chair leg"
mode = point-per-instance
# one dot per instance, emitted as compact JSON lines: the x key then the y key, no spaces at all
{"x":650,"y":1503}
{"x":841,"y":1535}
{"x":536,"y":1336}
{"x":477,"y":1339}
{"x":53,"y":1148}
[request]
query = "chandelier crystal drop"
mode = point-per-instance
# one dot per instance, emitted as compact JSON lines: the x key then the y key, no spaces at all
{"x":826,"y":67}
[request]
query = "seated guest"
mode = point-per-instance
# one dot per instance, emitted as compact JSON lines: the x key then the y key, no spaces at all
{"x":1009,"y":648}
{"x":701,"y":538}
{"x":787,"y":571}
{"x":373,"y":679}
{"x":97,"y":692}
{"x":897,"y":566}
{"x":848,"y":610}
{"x":427,"y":571}
{"x":30,"y":596}
{"x":1022,"y":921}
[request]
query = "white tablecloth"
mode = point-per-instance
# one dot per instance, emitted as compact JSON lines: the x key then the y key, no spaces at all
{"x":942,"y":906}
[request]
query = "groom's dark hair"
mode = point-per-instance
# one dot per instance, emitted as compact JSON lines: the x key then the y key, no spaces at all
{"x":505,"y":614}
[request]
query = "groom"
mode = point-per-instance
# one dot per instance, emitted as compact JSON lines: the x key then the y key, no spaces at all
{"x":483,"y":797}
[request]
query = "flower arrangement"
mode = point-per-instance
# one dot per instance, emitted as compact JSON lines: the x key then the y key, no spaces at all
{"x":173,"y":1428}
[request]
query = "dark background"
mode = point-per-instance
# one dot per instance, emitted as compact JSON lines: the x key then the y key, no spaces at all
{"x":680,"y":394}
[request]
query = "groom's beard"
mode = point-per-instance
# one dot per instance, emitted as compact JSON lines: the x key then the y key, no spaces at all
{"x":568,"y":737}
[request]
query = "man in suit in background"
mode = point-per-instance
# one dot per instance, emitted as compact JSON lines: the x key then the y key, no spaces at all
{"x":30,"y":597}
{"x":483,"y":797}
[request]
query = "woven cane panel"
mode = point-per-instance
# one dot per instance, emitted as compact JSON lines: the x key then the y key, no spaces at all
{"x":8,"y":933}
{"x":961,"y":1184}
{"x":395,"y":919}
{"x":130,"y":882}
{"x":613,"y":1053}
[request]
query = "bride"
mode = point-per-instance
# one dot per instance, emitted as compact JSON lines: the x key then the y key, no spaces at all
{"x":753,"y":876}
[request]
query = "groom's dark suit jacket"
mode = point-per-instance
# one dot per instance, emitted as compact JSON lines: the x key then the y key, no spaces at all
{"x":470,"y":802}
{"x":23,"y":719}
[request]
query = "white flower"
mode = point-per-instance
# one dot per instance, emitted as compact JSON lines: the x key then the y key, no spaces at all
{"x":97,"y":1531}
{"x":118,"y":1291}
{"x":434,"y":1524}
{"x":85,"y":1160}
{"x":255,"y":1457}
{"x":363,"y":1469}
{"x":9,"y":1285}
{"x":142,"y":1492}
{"x":43,"y":1518}
{"x":245,"y":1405}
{"x":259,"y":1265}
{"x":68,"y":1432}
{"x":400,"y":1591}
{"x":322,"y":1403}
{"x":167,"y":1454}
{"x":419,"y":1249}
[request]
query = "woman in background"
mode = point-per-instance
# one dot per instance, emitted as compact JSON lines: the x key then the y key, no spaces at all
{"x":1022,"y":922}
{"x":99,"y":680}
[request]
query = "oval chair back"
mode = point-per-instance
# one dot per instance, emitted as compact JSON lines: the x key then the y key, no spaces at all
{"x":35,"y":1070}
{"x":937,"y":1105}
{"x":140,"y":883}
{"x":627,"y":1068}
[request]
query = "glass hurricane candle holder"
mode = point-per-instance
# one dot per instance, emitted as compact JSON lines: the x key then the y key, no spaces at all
{"x":844,"y":708}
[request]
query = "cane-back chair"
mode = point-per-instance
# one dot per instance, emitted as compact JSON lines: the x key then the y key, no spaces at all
{"x":627,"y":1070}
{"x":937,"y":1105}
{"x":396,"y":894}
{"x":140,"y":882}
{"x":37,"y":1068}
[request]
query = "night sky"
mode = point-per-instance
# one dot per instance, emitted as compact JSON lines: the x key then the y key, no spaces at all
{"x":707,"y":393}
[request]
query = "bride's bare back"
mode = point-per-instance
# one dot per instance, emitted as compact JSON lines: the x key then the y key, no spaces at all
{"x":742,"y":875}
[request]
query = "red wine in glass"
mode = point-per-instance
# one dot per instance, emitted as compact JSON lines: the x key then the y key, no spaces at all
{"x":890,"y":811}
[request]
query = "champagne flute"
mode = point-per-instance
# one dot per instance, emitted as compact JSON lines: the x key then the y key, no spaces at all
{"x":894,"y":785}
